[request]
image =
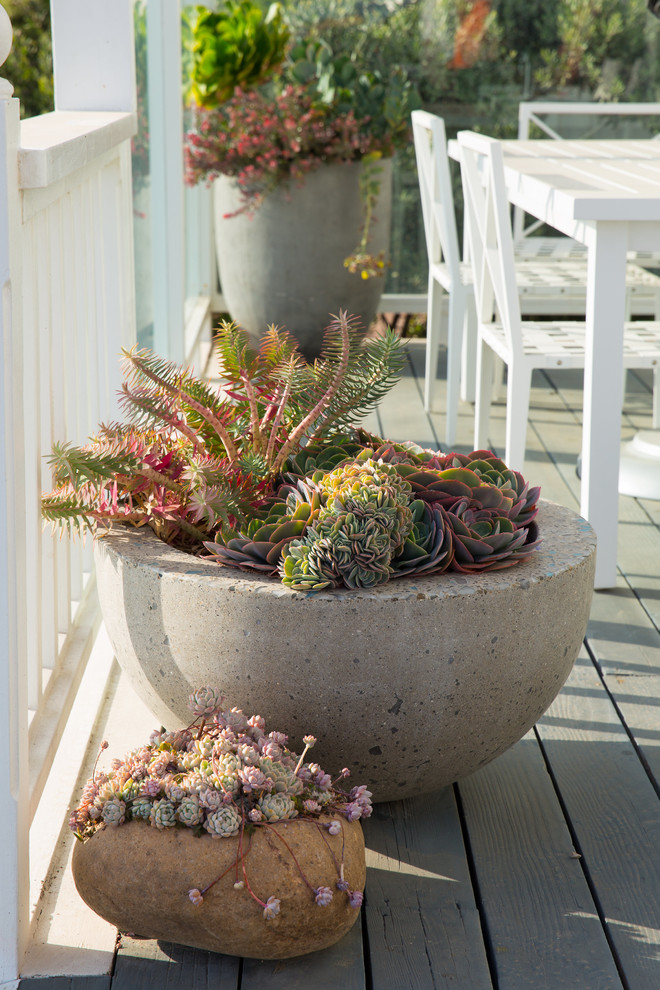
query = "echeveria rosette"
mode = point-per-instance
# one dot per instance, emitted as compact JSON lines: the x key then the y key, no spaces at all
{"x":428,"y":548}
{"x":259,"y":543}
{"x":493,"y":471}
{"x":361,"y":546}
{"x":485,"y":538}
{"x":349,"y":548}
{"x":367,"y":487}
{"x":309,"y":565}
{"x":326,"y":455}
{"x":408,"y":452}
{"x":445,"y":487}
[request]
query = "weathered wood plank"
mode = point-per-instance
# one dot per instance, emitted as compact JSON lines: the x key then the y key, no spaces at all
{"x":626,"y":646}
{"x":537,"y":905}
{"x":342,"y":965}
{"x":615,"y":813}
{"x":423,"y":926}
{"x":150,"y":965}
{"x":65,"y":983}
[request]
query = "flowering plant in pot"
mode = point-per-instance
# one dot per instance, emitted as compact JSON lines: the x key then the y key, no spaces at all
{"x":394,"y":619}
{"x":308,"y":144}
{"x":290,"y":838}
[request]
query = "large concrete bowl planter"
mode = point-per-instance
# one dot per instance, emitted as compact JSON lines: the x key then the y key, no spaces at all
{"x":285,"y":263}
{"x":138,"y":878}
{"x":411,"y":685}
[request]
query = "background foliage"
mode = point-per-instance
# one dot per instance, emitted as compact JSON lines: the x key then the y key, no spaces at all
{"x":473,"y":60}
{"x":30,"y":65}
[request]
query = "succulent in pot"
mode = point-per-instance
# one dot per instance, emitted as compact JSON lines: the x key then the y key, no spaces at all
{"x":290,"y":838}
{"x":304,"y":148}
{"x":329,"y":575}
{"x":272,"y":471}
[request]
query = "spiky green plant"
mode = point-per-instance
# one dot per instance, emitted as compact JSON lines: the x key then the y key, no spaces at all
{"x":193,"y":459}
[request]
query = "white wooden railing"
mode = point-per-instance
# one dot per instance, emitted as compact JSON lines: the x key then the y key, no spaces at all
{"x":67,"y":307}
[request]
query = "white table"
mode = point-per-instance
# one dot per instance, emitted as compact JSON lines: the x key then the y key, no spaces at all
{"x":605,"y":194}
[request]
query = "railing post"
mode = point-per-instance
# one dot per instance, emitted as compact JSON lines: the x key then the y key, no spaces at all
{"x":14,"y":808}
{"x":93,"y":54}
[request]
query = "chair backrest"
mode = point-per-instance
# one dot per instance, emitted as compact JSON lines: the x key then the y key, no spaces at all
{"x":489,"y":233}
{"x":436,"y":192}
{"x":535,"y":113}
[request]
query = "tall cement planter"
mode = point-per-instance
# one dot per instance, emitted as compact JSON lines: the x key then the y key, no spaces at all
{"x":285,"y":263}
{"x":411,"y":685}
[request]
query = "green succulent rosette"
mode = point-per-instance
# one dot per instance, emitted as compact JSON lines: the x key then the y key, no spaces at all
{"x":259,"y":544}
{"x":325,"y":455}
{"x":428,"y":548}
{"x":365,"y":486}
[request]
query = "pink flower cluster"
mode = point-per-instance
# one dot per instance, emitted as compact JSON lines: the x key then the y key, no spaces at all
{"x":262,"y":141}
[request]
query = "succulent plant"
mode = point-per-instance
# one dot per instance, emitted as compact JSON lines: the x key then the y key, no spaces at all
{"x":492,"y":470}
{"x":429,"y":547}
{"x":194,"y":460}
{"x":242,"y":790}
{"x":365,"y":486}
{"x":239,"y":45}
{"x":484,"y":536}
{"x":277,"y":807}
{"x":224,"y":822}
{"x":259,"y":543}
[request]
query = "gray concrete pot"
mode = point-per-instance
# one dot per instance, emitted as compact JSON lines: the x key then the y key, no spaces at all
{"x":285,"y":264}
{"x":412,"y":685}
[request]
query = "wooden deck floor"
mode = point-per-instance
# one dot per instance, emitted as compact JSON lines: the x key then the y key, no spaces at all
{"x":542,"y":870}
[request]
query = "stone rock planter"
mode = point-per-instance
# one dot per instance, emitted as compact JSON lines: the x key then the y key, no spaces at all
{"x":285,"y":264}
{"x":138,"y":877}
{"x":412,"y":685}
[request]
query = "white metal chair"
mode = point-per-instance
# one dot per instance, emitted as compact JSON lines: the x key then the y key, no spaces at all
{"x":522,"y":346}
{"x":547,"y":286}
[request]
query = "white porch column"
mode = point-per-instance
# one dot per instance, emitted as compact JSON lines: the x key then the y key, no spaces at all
{"x":14,"y":800}
{"x":166,"y":167}
{"x":93,"y":54}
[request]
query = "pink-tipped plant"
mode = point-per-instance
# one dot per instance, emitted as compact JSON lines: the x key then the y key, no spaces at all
{"x":192,"y":459}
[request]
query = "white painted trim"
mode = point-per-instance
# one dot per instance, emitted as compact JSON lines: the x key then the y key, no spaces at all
{"x":14,"y":856}
{"x":57,"y":144}
{"x":394,"y":302}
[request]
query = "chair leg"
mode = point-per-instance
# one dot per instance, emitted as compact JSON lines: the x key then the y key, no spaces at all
{"x":483,"y":396}
{"x":457,"y":309}
{"x":469,"y":355}
{"x":433,"y":334}
{"x":517,"y":414}
{"x":498,"y":379}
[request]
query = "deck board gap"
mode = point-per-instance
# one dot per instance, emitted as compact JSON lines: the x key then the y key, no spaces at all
{"x":476,"y":888}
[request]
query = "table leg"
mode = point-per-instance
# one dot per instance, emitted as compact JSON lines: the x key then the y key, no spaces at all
{"x":603,"y":392}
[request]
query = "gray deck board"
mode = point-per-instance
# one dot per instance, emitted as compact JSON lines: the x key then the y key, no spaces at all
{"x":150,"y":965}
{"x":342,"y":965}
{"x":478,"y":887}
{"x":611,"y":804}
{"x":536,"y":900}
{"x":422,"y":920}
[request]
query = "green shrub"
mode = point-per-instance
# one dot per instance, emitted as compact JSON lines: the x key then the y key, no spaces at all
{"x":29,"y":67}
